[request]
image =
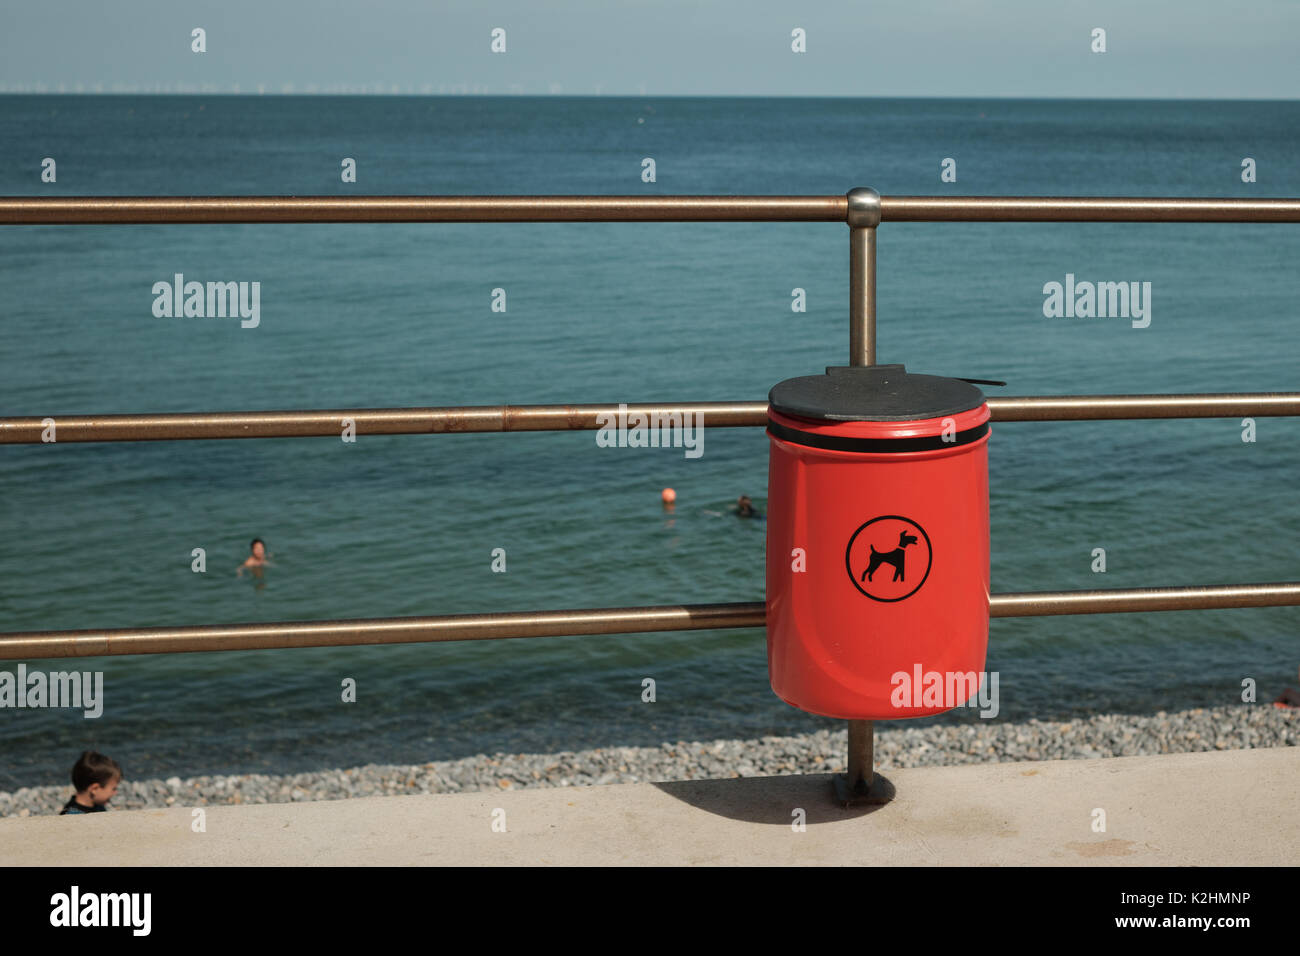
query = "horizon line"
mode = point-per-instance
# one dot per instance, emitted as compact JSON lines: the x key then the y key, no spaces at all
{"x":638,"y":95}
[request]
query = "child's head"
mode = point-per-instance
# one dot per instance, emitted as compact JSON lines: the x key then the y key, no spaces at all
{"x":258,"y":547}
{"x":96,"y":776}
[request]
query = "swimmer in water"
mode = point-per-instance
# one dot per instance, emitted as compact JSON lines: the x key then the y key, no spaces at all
{"x":1290,"y":697}
{"x":745,"y":508}
{"x":256,"y":560}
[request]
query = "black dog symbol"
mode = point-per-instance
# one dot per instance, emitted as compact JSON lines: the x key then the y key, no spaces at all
{"x":894,"y":557}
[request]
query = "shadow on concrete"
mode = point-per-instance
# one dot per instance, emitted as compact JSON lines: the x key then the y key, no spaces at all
{"x":774,"y":800}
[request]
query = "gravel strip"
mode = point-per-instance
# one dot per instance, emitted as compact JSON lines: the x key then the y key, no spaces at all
{"x":1107,"y":735}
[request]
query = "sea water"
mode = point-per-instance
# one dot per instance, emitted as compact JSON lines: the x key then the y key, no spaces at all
{"x":102,"y":535}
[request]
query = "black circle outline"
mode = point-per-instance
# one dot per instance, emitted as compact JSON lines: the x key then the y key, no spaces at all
{"x":848,"y":564}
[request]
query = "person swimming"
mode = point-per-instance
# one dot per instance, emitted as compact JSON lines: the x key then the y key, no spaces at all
{"x":256,"y":559}
{"x":1290,"y":697}
{"x":745,"y":508}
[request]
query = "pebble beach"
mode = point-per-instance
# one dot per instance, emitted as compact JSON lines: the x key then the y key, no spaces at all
{"x":1107,"y":735}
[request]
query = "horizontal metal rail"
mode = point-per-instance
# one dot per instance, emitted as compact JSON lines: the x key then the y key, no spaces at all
{"x":1084,"y":209}
{"x":143,"y":210}
{"x":176,"y":426}
{"x":368,"y":421}
{"x":89,"y":210}
{"x":621,"y":620}
{"x":1129,"y":600}
{"x":399,"y":630}
{"x":1075,"y":408}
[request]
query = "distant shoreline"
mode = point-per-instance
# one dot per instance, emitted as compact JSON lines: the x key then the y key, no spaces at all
{"x":1243,"y":726}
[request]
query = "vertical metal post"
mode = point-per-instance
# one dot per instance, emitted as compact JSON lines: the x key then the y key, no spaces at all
{"x":862,"y":746}
{"x":863,"y":218}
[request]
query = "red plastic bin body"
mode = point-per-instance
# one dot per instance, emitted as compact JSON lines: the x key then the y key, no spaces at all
{"x":877,"y":566}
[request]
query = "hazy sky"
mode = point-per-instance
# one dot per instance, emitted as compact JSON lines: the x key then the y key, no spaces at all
{"x":1155,"y":48}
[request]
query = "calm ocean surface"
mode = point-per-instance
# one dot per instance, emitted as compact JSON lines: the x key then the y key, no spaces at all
{"x":100,"y":535}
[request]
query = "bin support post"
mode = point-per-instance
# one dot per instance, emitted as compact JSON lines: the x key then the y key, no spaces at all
{"x":862,"y":745}
{"x":863,"y":217}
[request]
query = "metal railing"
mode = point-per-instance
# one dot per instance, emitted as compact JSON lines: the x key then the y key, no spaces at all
{"x":543,"y":418}
{"x":613,"y":620}
{"x":861,"y":209}
{"x":159,"y":210}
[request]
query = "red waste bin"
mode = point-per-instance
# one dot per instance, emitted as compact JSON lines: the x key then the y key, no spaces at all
{"x":877,"y":542}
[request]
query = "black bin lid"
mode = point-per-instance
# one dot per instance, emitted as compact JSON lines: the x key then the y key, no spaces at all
{"x":873,"y":393}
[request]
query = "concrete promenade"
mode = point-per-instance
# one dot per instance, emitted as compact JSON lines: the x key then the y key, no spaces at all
{"x":1238,"y":807}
